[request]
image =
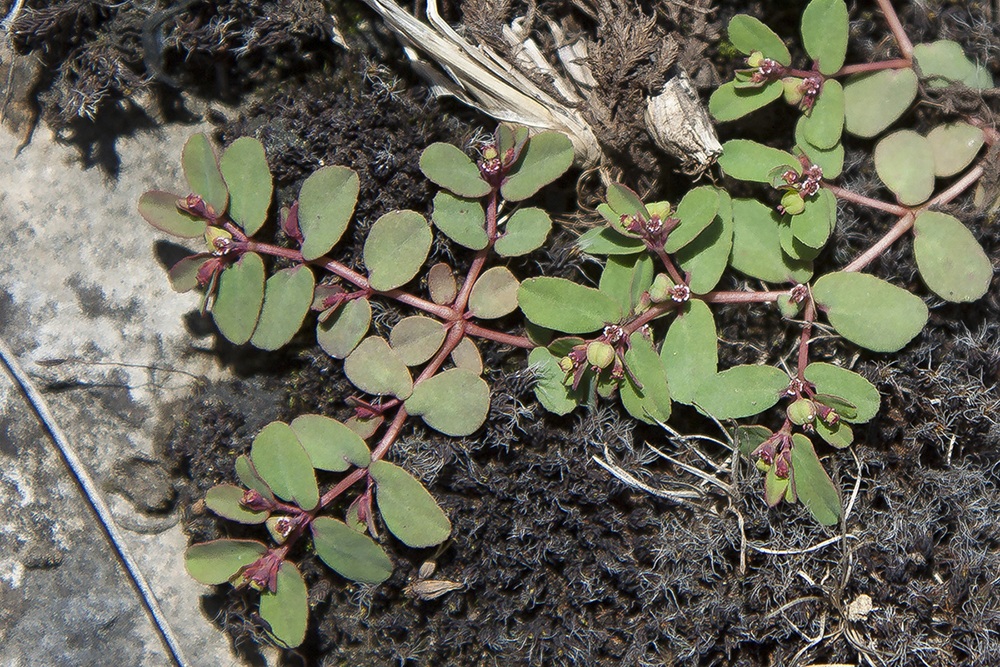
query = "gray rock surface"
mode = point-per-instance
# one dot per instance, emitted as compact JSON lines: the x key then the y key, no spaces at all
{"x":79,"y":280}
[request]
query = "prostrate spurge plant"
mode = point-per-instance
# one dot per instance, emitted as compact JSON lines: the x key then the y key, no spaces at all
{"x":646,"y":333}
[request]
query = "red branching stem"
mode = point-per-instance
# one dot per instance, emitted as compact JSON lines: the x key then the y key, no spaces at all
{"x":671,"y":268}
{"x":498,"y":336}
{"x":855,"y":198}
{"x":809,"y":317}
{"x":905,"y":222}
{"x":897,"y":63}
{"x":234,"y":230}
{"x":649,"y":315}
{"x":342,"y":486}
{"x":743,"y":297}
{"x":462,"y":300}
{"x":904,"y":43}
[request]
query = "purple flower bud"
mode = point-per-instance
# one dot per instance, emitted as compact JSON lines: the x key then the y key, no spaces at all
{"x":262,"y":574}
{"x":290,"y":223}
{"x":252,"y":500}
{"x":783,"y":464}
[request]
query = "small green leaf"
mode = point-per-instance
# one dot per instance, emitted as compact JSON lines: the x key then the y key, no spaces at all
{"x":811,"y":483}
{"x":184,"y":274}
{"x":376,"y":368}
{"x":749,"y":161}
{"x":850,"y":386}
{"x":626,"y":278}
{"x":454,"y":402}
{"x":943,"y":63}
{"x":870,"y":312}
{"x":741,"y":391}
{"x":623,"y":201}
{"x":340,"y":334}
{"x":225,"y":500}
{"x":218,"y":561}
{"x":286,"y":610}
{"x":949,"y":258}
{"x":825,"y":123}
{"x":749,"y":437}
{"x":326,"y":204}
{"x":461,"y":220}
{"x":282,"y":462}
{"x":349,"y":553}
{"x":160,"y":210}
{"x":396,"y":248}
{"x":895,"y":90}
{"x":524,"y":232}
{"x":330,"y":444}
{"x":562,"y":305}
{"x":814,"y":225}
{"x":690,"y":352}
{"x":201,"y":170}
{"x":606,"y":241}
{"x":757,"y":247}
{"x":844,"y":408}
{"x":774,"y":487}
{"x":824,"y":33}
{"x":450,"y":168}
{"x":707,"y":257}
{"x":415,"y":339}
{"x":441,"y":284}
{"x":244,"y":168}
{"x":831,"y":160}
{"x":729,"y":101}
{"x":466,"y":355}
{"x":546,"y":157}
{"x":550,"y":387}
{"x":904,"y":161}
{"x":955,"y":146}
{"x":239,"y":299}
{"x":696,"y":211}
{"x":840,"y":435}
{"x":748,"y":35}
{"x":494,"y":294}
{"x":287,"y":298}
{"x":409,"y":511}
{"x":653,"y":395}
{"x":248,"y":476}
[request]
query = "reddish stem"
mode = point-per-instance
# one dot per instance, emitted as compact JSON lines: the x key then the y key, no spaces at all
{"x":809,"y":316}
{"x":462,"y":300}
{"x":897,"y":63}
{"x":743,"y":297}
{"x":904,"y":43}
{"x":668,"y":264}
{"x":499,"y":337}
{"x":855,"y":198}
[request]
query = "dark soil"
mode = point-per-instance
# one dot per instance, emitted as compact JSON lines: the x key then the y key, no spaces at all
{"x":561,"y":563}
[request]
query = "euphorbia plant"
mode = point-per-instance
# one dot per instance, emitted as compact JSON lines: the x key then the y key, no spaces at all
{"x":645,"y":333}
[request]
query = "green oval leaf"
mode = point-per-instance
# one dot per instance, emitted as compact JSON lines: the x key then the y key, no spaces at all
{"x":626,"y":278}
{"x":825,"y":123}
{"x":281,"y":461}
{"x":218,"y":561}
{"x":286,"y":610}
{"x":524,"y":232}
{"x":949,"y":258}
{"x":415,"y":339}
{"x":811,"y":484}
{"x":749,"y":161}
{"x":814,"y":225}
{"x":870,"y":312}
{"x":748,"y":35}
{"x":409,"y":511}
{"x":831,"y":160}
{"x":955,"y":146}
{"x":622,"y":201}
{"x":201,"y":170}
{"x":824,"y":33}
{"x":757,"y":247}
{"x":774,"y":487}
{"x":840,"y":435}
{"x":244,"y":168}
{"x":184,"y":274}
{"x":729,"y":101}
{"x":376,"y":368}
{"x":943,"y":63}
{"x":239,"y":298}
{"x":396,"y":248}
{"x":339,"y":334}
{"x":707,"y":257}
{"x":287,"y":297}
{"x":606,"y":241}
{"x":690,"y":352}
{"x":904,"y":161}
{"x":326,"y":204}
{"x":349,"y":553}
{"x":160,"y":210}
{"x":225,"y":500}
{"x":441,"y":284}
{"x":741,"y":391}
{"x":461,"y":220}
{"x":895,"y":90}
{"x":562,"y":305}
{"x":248,"y":476}
{"x":330,"y":444}
{"x":466,"y":355}
{"x":550,"y":386}
{"x":850,"y":386}
{"x":696,"y":211}
{"x":494,"y":294}
{"x":644,"y":390}
{"x":546,"y":157}
{"x":454,"y":402}
{"x":450,"y":168}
